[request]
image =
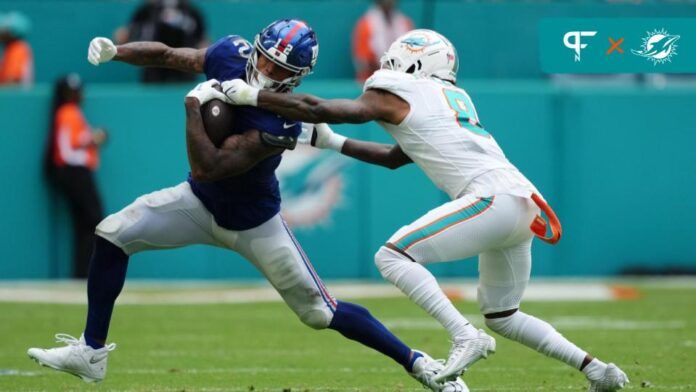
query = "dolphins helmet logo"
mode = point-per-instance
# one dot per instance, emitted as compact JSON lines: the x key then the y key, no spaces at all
{"x":659,"y":46}
{"x":418,"y":43}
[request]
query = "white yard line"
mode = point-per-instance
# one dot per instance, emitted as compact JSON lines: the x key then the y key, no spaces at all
{"x":74,"y":292}
{"x":567,"y":323}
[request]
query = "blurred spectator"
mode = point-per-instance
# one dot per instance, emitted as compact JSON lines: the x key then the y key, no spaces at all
{"x":375,"y":31}
{"x":175,"y":23}
{"x":17,"y":62}
{"x":71,"y":158}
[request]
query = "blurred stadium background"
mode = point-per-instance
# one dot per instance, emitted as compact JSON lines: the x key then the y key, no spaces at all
{"x":613,"y":155}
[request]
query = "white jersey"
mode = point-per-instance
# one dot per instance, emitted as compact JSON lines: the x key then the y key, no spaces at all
{"x":443,"y":136}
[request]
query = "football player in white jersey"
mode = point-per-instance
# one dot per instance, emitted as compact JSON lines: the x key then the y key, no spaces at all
{"x":494,"y":212}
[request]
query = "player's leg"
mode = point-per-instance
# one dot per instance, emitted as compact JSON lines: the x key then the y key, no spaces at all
{"x":453,"y":231}
{"x":165,"y":219}
{"x":273,"y":249}
{"x":145,"y":224}
{"x":504,"y":274}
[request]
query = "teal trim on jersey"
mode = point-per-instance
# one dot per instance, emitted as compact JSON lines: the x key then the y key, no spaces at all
{"x":477,"y":129}
{"x":446,"y":221}
{"x":461,"y":104}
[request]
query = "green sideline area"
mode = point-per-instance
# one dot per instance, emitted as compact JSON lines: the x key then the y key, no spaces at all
{"x":263,"y":347}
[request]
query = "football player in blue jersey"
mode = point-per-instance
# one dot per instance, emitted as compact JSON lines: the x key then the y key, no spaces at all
{"x":230,"y":200}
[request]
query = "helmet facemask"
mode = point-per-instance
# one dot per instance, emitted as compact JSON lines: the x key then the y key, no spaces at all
{"x":256,"y":78}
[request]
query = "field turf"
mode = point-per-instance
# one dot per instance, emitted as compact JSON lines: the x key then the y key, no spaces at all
{"x":263,"y":347}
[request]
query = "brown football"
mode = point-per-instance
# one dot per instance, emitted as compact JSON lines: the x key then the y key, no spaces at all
{"x":218,"y":120}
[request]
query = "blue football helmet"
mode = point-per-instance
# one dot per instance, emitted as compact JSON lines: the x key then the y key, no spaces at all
{"x":290,"y":44}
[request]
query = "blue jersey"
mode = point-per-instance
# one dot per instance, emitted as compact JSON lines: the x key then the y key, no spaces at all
{"x":245,"y":201}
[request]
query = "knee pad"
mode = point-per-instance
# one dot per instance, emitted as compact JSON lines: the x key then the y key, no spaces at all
{"x":387,"y":259}
{"x":110,"y":228}
{"x":494,"y":299}
{"x":318,"y":318}
{"x":503,"y":325}
{"x":113,"y":228}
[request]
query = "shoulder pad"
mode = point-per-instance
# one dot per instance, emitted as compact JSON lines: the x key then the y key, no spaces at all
{"x":389,"y":80}
{"x":282,"y":141}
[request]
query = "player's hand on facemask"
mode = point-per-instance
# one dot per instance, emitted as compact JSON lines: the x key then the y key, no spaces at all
{"x":100,"y":51}
{"x":207,"y":91}
{"x":238,"y":92}
{"x":321,"y":136}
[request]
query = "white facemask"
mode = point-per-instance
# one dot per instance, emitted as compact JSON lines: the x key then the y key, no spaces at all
{"x":259,"y":80}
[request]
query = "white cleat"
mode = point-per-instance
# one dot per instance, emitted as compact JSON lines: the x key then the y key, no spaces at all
{"x":613,"y":380}
{"x":76,"y":358}
{"x":464,"y":353}
{"x":425,"y":369}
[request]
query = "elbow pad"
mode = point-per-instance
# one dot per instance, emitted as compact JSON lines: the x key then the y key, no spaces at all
{"x":285,"y":142}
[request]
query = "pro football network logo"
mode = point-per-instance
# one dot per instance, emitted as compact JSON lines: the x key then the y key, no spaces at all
{"x":573,"y":40}
{"x":658,"y":46}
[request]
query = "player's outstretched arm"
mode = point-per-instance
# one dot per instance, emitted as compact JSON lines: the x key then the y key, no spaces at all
{"x":237,"y":155}
{"x":373,"y":104}
{"x":146,"y":54}
{"x":388,"y":155}
{"x":322,"y":136}
{"x":305,"y":107}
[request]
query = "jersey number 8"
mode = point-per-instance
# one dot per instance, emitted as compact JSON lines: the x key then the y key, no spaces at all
{"x":465,"y":113}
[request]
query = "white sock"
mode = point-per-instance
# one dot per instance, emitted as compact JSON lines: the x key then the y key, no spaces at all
{"x":420,"y":286}
{"x":538,"y":335}
{"x":595,"y":369}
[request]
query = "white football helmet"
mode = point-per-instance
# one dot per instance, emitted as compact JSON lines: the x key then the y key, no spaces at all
{"x":423,"y":53}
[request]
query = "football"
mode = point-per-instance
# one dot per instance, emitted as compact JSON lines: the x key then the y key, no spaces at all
{"x":218,"y":120}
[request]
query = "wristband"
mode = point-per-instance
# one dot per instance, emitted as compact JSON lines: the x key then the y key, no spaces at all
{"x":251,"y":96}
{"x":336,"y":142}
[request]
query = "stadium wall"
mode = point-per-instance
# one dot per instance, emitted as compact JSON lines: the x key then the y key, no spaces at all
{"x":616,"y":163}
{"x":489,"y":35}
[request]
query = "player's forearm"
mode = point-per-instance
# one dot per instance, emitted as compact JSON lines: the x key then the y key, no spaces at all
{"x":207,"y":162}
{"x":387,"y":155}
{"x":308,"y":108}
{"x":198,"y":145}
{"x":157,"y":54}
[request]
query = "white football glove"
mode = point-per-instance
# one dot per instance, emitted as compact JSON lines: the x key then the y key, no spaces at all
{"x":321,"y":136}
{"x":100,"y":51}
{"x":240,"y":93}
{"x":206,"y":91}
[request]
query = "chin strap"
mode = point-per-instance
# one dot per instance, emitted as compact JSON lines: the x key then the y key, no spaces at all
{"x":539,"y":224}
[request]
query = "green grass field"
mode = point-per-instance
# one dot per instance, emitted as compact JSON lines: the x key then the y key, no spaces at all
{"x":259,"y":347}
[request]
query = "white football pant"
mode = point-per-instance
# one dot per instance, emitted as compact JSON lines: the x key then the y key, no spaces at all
{"x":175,"y":217}
{"x":496,"y":228}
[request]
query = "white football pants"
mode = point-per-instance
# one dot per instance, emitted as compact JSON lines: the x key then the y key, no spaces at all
{"x":175,"y":217}
{"x":496,"y":228}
